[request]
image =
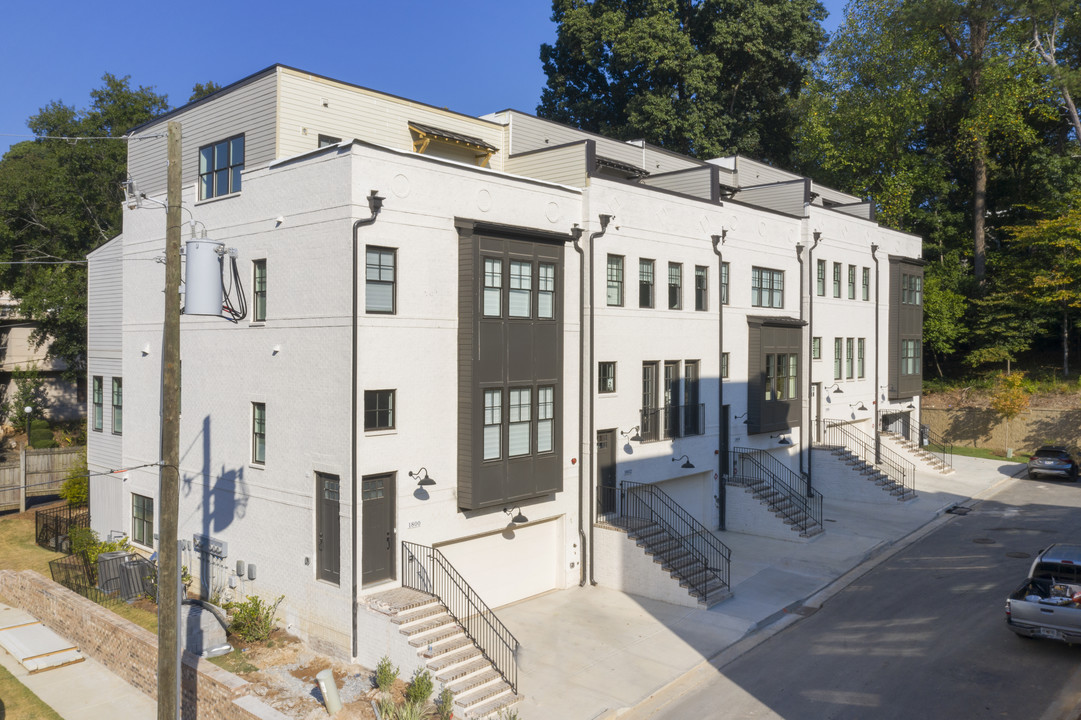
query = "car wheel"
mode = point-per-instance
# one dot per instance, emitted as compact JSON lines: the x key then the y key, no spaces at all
{"x":1030,"y":475}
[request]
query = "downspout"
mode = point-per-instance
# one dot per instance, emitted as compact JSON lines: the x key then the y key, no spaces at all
{"x":810,"y":361}
{"x":799,"y":259}
{"x":722,"y":431}
{"x":576,"y":233}
{"x":375,"y":204}
{"x":604,"y":220}
{"x":878,"y":437}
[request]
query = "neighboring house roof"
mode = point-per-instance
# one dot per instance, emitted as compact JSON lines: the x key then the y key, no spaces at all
{"x":453,"y":137}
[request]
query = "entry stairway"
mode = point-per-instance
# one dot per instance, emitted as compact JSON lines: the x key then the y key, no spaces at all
{"x":936,"y":455}
{"x":783,"y":492}
{"x":872,"y":460}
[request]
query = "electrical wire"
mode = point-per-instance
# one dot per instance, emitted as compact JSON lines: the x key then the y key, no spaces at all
{"x":240,"y":311}
{"x":77,"y":138}
{"x":43,"y":262}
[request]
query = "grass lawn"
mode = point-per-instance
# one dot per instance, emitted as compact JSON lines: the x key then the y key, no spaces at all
{"x":16,"y":701}
{"x":988,"y":455}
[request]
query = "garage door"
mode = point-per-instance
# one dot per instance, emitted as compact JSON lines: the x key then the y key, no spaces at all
{"x":511,"y":565}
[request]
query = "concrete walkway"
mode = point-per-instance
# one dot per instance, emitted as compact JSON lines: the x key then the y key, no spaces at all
{"x":592,"y":652}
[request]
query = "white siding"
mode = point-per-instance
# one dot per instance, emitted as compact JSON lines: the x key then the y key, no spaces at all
{"x":695,"y":181}
{"x":566,"y":164}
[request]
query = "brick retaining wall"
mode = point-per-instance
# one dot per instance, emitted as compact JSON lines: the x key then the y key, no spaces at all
{"x":130,"y":651}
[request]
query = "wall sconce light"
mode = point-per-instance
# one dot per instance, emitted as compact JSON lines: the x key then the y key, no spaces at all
{"x":687,"y":465}
{"x":910,"y":406}
{"x":146,"y":349}
{"x":516,"y":515}
{"x":784,"y":439}
{"x":836,"y":388}
{"x":421,"y":476}
{"x":632,"y":435}
{"x":861,"y":408}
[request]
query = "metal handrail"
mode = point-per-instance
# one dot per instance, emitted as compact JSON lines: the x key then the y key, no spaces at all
{"x":646,"y":501}
{"x":899,"y":470}
{"x":759,"y":465}
{"x":936,"y":445}
{"x":428,"y":570}
{"x":672,"y":421}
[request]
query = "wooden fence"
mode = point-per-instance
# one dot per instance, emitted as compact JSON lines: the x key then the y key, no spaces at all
{"x":37,"y":473}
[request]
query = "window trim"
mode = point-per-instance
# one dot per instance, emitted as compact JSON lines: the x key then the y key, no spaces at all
{"x":773,"y":290}
{"x":725,"y":274}
{"x":230,"y":168}
{"x":701,"y":288}
{"x":838,"y":358}
{"x":724,"y":365}
{"x":850,"y":358}
{"x":614,"y":276}
{"x":118,"y":405}
{"x":851,"y":282}
{"x":97,"y":410}
{"x":866,"y":284}
{"x":258,"y":433}
{"x":258,"y":294}
{"x":390,"y":411}
{"x":821,"y":281}
{"x":140,"y":519}
{"x":861,"y":357}
{"x":676,"y":287}
{"x":644,"y":286}
{"x":816,"y":348}
{"x":380,"y":282}
{"x":837,"y":280}
{"x":603,"y":365}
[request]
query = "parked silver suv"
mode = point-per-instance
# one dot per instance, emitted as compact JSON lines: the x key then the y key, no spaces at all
{"x":1053,"y":460}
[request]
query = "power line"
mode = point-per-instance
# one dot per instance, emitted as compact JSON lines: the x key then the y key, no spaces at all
{"x":77,"y":138}
{"x":43,"y":262}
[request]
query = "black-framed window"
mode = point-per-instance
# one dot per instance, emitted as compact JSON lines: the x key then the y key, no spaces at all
{"x":836,"y":279}
{"x":220,"y":165}
{"x":379,"y":279}
{"x":615,"y":280}
{"x":781,"y":376}
{"x":546,"y":410}
{"x":606,"y":377}
{"x":142,"y":520}
{"x":379,"y":410}
{"x":493,"y":287}
{"x":910,"y":357}
{"x":866,"y":283}
{"x":816,"y":348}
{"x":118,"y":406}
{"x":850,"y":358}
{"x":675,"y":286}
{"x":820,"y":288}
{"x":98,"y":400}
{"x":546,"y":291}
{"x":767,"y":287}
{"x":724,"y":283}
{"x":325,"y":140}
{"x":520,"y":289}
{"x":838,"y":357}
{"x":259,"y":290}
{"x":911,"y":289}
{"x":258,"y":433}
{"x":724,"y":365}
{"x":861,"y":354}
{"x":645,"y":283}
{"x":519,"y":421}
{"x":493,"y":424}
{"x":851,"y":282}
{"x":701,"y":287}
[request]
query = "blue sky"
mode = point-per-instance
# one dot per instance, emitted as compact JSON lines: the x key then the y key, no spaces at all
{"x":472,"y":56}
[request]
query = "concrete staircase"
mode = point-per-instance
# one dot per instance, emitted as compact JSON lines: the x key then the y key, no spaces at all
{"x":781,"y":504}
{"x":914,"y":450}
{"x":700,"y":582}
{"x":868,"y":471}
{"x":448,"y":653}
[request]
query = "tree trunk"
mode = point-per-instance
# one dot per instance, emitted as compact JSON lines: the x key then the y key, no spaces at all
{"x":1065,"y":343}
{"x":979,"y":212}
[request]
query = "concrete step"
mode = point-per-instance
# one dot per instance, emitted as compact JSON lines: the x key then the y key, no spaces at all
{"x":450,"y":660}
{"x":474,"y":663}
{"x":432,"y":624}
{"x":473,"y":701}
{"x":477,"y":682}
{"x":495,"y":706}
{"x":446,"y":646}
{"x":436,"y":635}
{"x":419,"y":613}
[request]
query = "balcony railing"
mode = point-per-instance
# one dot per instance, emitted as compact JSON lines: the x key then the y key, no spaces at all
{"x":672,"y":421}
{"x":428,"y":570}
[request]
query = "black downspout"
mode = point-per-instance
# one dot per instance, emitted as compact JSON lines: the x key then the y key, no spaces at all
{"x":878,"y":405}
{"x":722,"y":431}
{"x":810,"y":361}
{"x":576,"y":233}
{"x":375,"y":204}
{"x":604,"y":220}
{"x":799,"y":259}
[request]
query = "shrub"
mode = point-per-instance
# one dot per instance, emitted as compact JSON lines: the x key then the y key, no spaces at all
{"x":420,"y":687}
{"x":253,"y":620}
{"x":385,"y":674}
{"x":86,"y":542}
{"x":42,"y":438}
{"x":444,"y":704}
{"x":76,"y":486}
{"x":410,"y":711}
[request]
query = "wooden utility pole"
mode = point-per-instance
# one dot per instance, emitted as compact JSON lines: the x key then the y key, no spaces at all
{"x":168,"y":502}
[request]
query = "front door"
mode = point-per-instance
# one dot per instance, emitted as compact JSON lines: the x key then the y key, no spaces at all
{"x":327,"y":528}
{"x":377,"y":535}
{"x":606,"y":472}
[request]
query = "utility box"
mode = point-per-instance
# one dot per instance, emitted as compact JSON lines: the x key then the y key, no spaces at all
{"x":203,"y":277}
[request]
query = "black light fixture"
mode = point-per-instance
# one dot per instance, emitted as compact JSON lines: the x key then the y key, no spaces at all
{"x":515,"y":515}
{"x":687,"y":465}
{"x":836,"y":388}
{"x":633,"y":434}
{"x":744,"y":415}
{"x":784,"y":439}
{"x":910,"y":406}
{"x":421,"y":476}
{"x":861,"y":408}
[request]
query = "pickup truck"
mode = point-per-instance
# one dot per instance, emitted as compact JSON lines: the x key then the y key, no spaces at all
{"x":1048,"y":603}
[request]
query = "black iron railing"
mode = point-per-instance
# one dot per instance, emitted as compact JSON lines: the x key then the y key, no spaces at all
{"x":936,"y":444}
{"x":53,"y":526}
{"x":751,"y":466}
{"x":76,"y":573}
{"x":899,"y":470}
{"x":428,"y":570}
{"x":712,"y":557}
{"x":672,"y":421}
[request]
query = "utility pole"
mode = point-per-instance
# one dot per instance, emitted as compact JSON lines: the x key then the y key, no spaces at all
{"x":168,"y":502}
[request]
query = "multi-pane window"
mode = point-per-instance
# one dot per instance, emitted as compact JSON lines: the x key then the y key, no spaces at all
{"x":606,"y":377}
{"x":493,"y":287}
{"x":645,"y":283}
{"x":258,"y":433}
{"x":816,"y":348}
{"x":118,"y":406}
{"x":861,"y":352}
{"x":615,"y":280}
{"x":910,"y":357}
{"x":98,"y":398}
{"x":650,"y":424}
{"x":546,"y":291}
{"x":675,"y":286}
{"x":782,"y":373}
{"x":545,"y":418}
{"x":866,"y":283}
{"x":520,"y":293}
{"x":220,"y":166}
{"x":851,"y":282}
{"x":692,"y":412}
{"x":378,"y":409}
{"x":325,"y":140}
{"x":821,"y":287}
{"x":838,"y":354}
{"x":142,"y":520}
{"x":792,"y":376}
{"x":379,"y":280}
{"x":724,"y":283}
{"x":493,"y":424}
{"x":850,"y":358}
{"x":836,"y":280}
{"x":519,"y":406}
{"x":767,"y":288}
{"x":259,"y":290}
{"x":724,"y":365}
{"x":701,"y":287}
{"x":911,"y":289}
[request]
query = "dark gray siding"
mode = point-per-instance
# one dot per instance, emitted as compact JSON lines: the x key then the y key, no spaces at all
{"x":766,"y":336}
{"x":905,"y":323}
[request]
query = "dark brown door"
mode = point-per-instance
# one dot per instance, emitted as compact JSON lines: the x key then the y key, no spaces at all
{"x":606,"y":472}
{"x":377,"y":533}
{"x":327,"y":527}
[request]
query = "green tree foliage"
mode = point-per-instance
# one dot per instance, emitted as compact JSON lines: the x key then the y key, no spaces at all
{"x":944,"y":309}
{"x":30,"y":392}
{"x":60,"y":199}
{"x":201,"y":90}
{"x":76,"y":486}
{"x":1009,"y":398}
{"x":701,"y":77}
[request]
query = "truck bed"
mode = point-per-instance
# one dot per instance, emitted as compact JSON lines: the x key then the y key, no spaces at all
{"x":1044,"y":608}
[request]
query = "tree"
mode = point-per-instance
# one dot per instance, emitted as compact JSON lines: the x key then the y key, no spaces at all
{"x":76,"y":486}
{"x":944,"y":306}
{"x":1050,"y":21}
{"x":700,"y":77}
{"x":201,"y":90}
{"x":1009,"y":399}
{"x":30,"y":392}
{"x":60,"y":199}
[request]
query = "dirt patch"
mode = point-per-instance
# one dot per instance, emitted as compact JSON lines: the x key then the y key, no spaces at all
{"x":973,"y":398}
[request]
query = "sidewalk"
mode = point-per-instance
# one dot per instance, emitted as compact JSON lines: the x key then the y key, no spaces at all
{"x":591,"y":652}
